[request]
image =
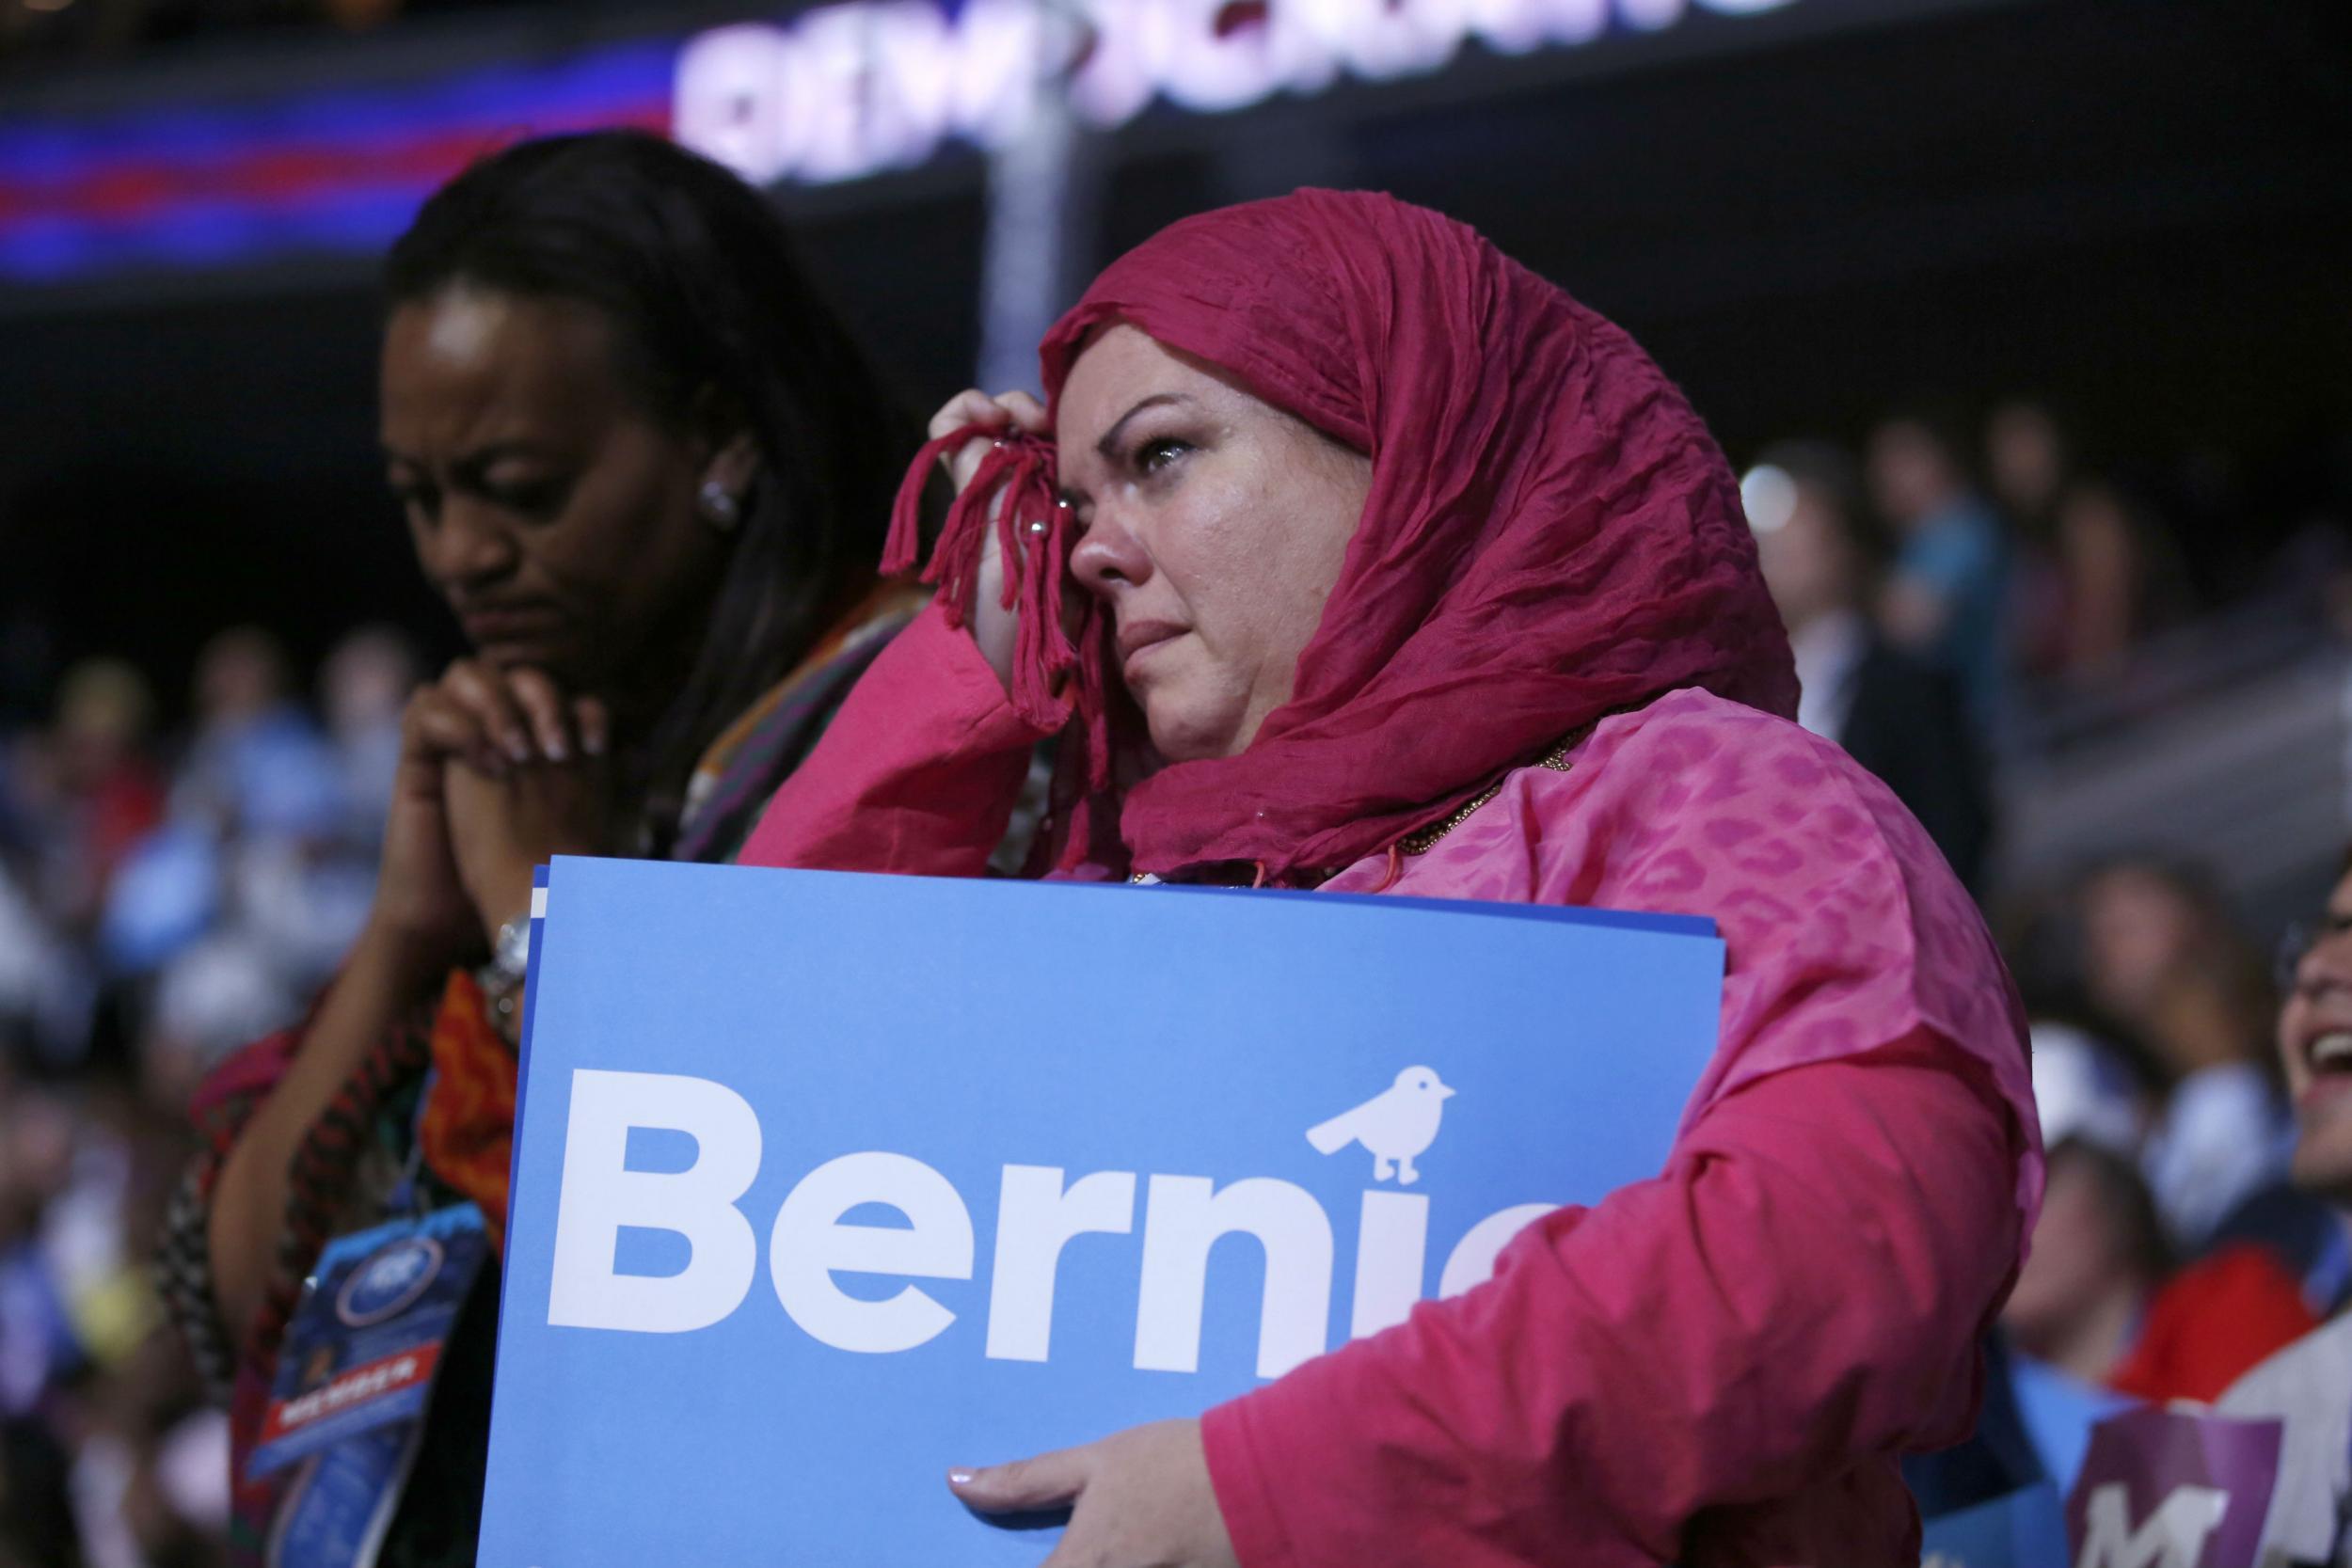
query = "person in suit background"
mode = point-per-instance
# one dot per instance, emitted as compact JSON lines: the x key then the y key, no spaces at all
{"x":1900,"y":717}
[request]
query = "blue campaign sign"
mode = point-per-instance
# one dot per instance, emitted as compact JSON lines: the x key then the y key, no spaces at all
{"x":825,"y":1183}
{"x":2024,"y":1529}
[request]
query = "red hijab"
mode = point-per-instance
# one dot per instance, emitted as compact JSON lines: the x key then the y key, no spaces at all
{"x":1551,"y":534}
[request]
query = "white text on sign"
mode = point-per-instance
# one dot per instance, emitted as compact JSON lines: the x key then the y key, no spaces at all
{"x":1040,"y":1210}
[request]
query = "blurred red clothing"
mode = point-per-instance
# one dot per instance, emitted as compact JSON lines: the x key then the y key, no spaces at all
{"x":120,"y":808}
{"x":2211,"y":1323}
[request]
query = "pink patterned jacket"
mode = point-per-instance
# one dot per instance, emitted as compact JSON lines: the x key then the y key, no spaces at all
{"x":1716,"y":1367}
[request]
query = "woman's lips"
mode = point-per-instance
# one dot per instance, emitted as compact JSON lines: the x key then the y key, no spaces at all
{"x":1137,"y":641}
{"x":505,"y":624}
{"x":2326,"y":1052}
{"x":2324,"y":1090}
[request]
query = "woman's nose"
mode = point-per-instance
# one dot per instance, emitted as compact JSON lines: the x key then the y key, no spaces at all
{"x":1109,"y":556}
{"x":466,"y":546}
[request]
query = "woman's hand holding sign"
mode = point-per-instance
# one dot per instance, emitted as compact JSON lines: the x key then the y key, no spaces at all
{"x":1138,"y":1499}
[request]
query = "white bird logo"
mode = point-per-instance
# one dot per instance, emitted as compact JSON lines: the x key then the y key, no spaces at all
{"x":1396,"y":1124}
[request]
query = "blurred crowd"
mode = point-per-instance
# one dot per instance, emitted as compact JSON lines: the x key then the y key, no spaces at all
{"x":1954,"y":596}
{"x":163,"y":899}
{"x":1943,"y":596}
{"x":166,"y":896}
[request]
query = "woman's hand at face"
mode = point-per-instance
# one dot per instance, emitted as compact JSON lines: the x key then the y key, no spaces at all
{"x":531,"y":782}
{"x":497,"y":771}
{"x":1139,"y":1499}
{"x":992,"y":624}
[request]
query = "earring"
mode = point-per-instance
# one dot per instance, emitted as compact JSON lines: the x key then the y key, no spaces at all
{"x":720,"y":506}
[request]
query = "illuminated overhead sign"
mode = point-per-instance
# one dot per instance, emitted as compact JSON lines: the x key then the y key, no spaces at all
{"x":851,"y":89}
{"x":320,"y":170}
{"x":837,"y":93}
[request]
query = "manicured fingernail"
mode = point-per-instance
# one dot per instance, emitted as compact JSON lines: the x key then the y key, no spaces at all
{"x":593,"y":743}
{"x":557,"y":751}
{"x":960,"y":1478}
{"x":517,"y":748}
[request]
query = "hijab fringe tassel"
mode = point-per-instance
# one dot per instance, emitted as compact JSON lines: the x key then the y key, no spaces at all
{"x":1051,"y":683}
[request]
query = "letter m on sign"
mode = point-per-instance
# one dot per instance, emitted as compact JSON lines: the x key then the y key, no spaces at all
{"x":2172,"y":1536}
{"x":2173,"y":1489}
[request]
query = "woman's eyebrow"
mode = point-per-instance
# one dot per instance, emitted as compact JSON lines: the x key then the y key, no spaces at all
{"x":1108,"y":445}
{"x":480,"y":460}
{"x":477,"y":459}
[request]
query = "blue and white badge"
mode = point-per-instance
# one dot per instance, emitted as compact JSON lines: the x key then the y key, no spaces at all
{"x":338,"y":1507}
{"x":366,"y":1340}
{"x":391,"y":1281}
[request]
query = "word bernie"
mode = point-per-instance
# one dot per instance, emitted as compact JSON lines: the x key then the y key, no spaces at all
{"x":1039,"y":1210}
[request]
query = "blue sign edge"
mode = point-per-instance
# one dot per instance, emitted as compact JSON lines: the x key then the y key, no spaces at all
{"x":1672,"y":924}
{"x":522,"y":1080}
{"x":1630,"y":920}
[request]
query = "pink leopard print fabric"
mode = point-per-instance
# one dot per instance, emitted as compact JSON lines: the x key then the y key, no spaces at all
{"x":1844,"y":929}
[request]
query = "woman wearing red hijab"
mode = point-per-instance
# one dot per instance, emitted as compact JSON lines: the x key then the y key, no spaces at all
{"x":1423,"y":579}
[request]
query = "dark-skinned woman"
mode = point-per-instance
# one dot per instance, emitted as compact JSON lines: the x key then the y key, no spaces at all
{"x":648,"y":470}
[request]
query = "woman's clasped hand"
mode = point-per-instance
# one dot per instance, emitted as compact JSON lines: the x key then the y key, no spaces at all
{"x":500,"y":771}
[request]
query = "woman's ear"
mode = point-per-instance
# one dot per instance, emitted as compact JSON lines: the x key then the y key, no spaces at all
{"x":726,"y":434}
{"x":733,"y":465}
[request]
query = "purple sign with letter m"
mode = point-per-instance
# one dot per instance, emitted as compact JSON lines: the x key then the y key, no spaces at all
{"x":2173,"y":1489}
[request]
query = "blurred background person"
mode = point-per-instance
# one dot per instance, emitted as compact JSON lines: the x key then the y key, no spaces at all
{"x":2118,"y":582}
{"x":2094,"y":575}
{"x":257,"y":774}
{"x":300,"y":879}
{"x":2162,"y":958}
{"x":2028,"y":461}
{"x":48,"y":980}
{"x":1897,"y":715}
{"x":2099,"y":1250}
{"x":105,"y":1437}
{"x":2101,"y":1298}
{"x":1944,"y":597}
{"x":84,"y":793}
{"x":258,"y":762}
{"x":2309,"y":1385}
{"x":109,"y":793}
{"x":363,"y":688}
{"x":649,"y":471}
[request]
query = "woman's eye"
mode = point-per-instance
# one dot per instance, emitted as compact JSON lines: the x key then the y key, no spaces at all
{"x":1153,"y":456}
{"x":539,"y":497}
